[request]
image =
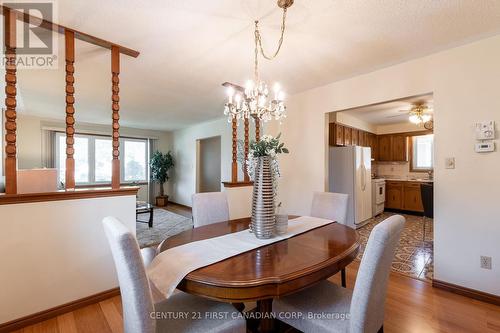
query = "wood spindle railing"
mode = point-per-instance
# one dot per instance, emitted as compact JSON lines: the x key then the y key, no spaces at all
{"x":10,"y":102}
{"x":234,"y":164}
{"x":115,"y":71}
{"x":257,"y":128}
{"x":69,"y":37}
{"x":246,"y":177}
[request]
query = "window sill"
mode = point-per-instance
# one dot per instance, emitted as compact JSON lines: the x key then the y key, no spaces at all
{"x":80,"y":193}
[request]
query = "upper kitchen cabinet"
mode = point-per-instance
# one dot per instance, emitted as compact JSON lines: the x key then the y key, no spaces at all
{"x":347,"y":136}
{"x":336,"y":134}
{"x":355,"y":137}
{"x":384,"y":148}
{"x":393,"y":148}
{"x":399,"y":148}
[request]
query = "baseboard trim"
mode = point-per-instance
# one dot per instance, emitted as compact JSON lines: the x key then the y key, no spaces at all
{"x":471,"y":293}
{"x":178,"y":204}
{"x":56,"y":311}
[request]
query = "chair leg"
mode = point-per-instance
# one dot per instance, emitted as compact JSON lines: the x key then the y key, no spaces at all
{"x":342,"y":277}
{"x":381,"y":330}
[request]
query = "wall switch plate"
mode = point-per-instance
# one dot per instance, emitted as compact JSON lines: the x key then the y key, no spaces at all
{"x":485,"y":147}
{"x":449,"y":163}
{"x":485,"y":262}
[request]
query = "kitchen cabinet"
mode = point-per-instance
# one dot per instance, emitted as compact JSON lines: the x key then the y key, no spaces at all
{"x":404,"y":195}
{"x":393,"y":148}
{"x":347,"y":136}
{"x":394,"y":195}
{"x":355,"y":137}
{"x":412,"y":200}
{"x":362,"y":139}
{"x":384,"y":148}
{"x":399,"y":148}
{"x":339,"y":135}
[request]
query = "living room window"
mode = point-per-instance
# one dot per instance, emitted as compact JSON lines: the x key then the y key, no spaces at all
{"x":93,"y":156}
{"x":423,"y":152}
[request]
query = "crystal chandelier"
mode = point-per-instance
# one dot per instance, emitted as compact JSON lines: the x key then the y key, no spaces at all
{"x":417,"y":114}
{"x":255,"y":100}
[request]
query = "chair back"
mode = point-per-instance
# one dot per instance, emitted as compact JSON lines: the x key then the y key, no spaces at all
{"x":210,"y":207}
{"x":368,"y":299}
{"x":427,"y":193}
{"x":330,"y":206}
{"x":135,"y":291}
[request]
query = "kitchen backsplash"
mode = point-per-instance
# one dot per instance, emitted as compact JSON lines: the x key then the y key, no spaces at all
{"x":397,"y":170}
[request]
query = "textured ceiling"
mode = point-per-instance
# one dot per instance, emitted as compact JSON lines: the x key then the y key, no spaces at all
{"x":188,"y":48}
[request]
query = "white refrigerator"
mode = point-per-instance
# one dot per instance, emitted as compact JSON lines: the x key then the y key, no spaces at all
{"x":350,"y":171}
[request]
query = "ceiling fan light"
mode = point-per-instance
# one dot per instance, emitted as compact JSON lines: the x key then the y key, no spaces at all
{"x":426,"y":118}
{"x":415,"y":119}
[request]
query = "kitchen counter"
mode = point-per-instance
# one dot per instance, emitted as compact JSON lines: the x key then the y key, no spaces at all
{"x":395,"y":179}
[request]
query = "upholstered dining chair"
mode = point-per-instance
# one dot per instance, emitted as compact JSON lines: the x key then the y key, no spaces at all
{"x":357,"y":311}
{"x":331,"y":206}
{"x":140,"y":313}
{"x":210,"y":207}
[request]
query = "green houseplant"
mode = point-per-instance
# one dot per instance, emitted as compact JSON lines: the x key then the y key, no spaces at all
{"x":160,"y":166}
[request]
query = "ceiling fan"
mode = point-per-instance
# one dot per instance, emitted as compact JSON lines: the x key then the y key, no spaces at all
{"x":418,"y":114}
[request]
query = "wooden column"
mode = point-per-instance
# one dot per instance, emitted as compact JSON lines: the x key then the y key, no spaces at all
{"x":115,"y":71}
{"x":10,"y":102}
{"x":247,"y":143}
{"x":69,"y":37}
{"x":257,"y":128}
{"x":234,"y":164}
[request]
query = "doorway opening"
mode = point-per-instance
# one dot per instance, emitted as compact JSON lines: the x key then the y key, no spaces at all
{"x":208,"y":165}
{"x":398,"y":136}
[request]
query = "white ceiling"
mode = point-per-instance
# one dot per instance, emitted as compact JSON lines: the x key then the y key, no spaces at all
{"x":393,"y":112}
{"x":188,"y":48}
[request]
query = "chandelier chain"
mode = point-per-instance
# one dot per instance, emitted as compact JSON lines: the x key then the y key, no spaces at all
{"x":258,"y":44}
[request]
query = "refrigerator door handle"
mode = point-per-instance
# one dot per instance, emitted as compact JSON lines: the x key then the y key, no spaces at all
{"x":363,"y":177}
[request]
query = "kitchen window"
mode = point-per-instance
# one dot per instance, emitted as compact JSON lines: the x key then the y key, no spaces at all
{"x":422,"y":153}
{"x":93,"y":156}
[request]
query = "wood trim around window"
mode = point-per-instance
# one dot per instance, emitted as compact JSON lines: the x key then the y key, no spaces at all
{"x":410,"y":152}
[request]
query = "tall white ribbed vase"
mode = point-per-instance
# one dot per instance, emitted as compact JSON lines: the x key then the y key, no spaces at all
{"x":263,"y":216}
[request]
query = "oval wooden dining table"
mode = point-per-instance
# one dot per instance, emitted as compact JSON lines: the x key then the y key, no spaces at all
{"x":270,"y":271}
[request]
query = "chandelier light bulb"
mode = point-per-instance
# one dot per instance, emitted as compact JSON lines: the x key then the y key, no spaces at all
{"x":426,"y":118}
{"x":281,"y":96}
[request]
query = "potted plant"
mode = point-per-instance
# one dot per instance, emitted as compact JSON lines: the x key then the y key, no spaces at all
{"x":160,"y":165}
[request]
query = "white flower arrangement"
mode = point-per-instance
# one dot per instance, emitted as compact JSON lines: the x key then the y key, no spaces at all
{"x":268,"y":146}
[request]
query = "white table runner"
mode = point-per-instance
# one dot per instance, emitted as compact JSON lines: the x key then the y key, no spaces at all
{"x":171,"y":266}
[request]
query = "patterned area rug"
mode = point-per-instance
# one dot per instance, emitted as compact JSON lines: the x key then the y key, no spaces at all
{"x":165,"y":224}
{"x":414,"y":256}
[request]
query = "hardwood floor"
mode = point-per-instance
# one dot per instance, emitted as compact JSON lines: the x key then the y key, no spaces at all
{"x":412,"y":306}
{"x":179,"y":209}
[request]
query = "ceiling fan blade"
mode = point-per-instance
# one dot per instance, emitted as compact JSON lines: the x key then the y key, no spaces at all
{"x":395,"y":116}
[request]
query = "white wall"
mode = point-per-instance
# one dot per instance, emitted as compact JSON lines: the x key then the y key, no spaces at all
{"x":56,"y":252}
{"x":184,"y":143}
{"x":465,"y":83}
